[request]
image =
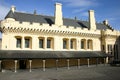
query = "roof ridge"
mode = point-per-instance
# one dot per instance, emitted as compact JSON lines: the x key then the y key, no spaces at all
{"x":49,"y":16}
{"x":33,"y":14}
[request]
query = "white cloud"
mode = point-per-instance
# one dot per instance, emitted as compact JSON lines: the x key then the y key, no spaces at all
{"x":3,"y":10}
{"x":85,"y":14}
{"x":79,"y":3}
{"x":80,"y":6}
{"x":79,"y":10}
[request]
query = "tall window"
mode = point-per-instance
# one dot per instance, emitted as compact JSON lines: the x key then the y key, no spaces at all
{"x":18,"y":42}
{"x":83,"y":44}
{"x":48,"y":43}
{"x":27,"y":43}
{"x":89,"y":44}
{"x":72,"y":43}
{"x":65,"y":44}
{"x":40,"y":43}
{"x":109,"y":47}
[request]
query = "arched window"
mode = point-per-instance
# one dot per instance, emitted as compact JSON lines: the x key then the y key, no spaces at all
{"x":89,"y":44}
{"x":83,"y":43}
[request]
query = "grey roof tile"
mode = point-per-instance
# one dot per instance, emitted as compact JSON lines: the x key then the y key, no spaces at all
{"x":18,"y":16}
{"x":23,"y":54}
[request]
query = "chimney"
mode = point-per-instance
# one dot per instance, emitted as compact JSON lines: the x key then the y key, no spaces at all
{"x":105,"y":22}
{"x":58,"y":14}
{"x":13,"y":8}
{"x":35,"y":12}
{"x":92,"y":22}
{"x":75,"y":18}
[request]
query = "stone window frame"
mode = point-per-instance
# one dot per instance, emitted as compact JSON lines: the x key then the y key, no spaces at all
{"x":66,"y":44}
{"x":73,"y":42}
{"x":83,"y":43}
{"x":30,"y":41}
{"x":20,"y":45}
{"x":90,"y":44}
{"x":43,"y":43}
{"x":51,"y":44}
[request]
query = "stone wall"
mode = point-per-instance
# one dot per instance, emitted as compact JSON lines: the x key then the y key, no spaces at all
{"x":0,"y":43}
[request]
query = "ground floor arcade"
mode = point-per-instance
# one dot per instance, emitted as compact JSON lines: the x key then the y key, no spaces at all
{"x":15,"y":60}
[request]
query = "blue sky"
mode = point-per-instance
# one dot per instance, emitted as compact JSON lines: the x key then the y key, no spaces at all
{"x":104,"y":9}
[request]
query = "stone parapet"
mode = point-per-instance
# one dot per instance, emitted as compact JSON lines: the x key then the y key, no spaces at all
{"x":38,"y":27}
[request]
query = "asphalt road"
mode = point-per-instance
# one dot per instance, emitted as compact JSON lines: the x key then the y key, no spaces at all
{"x":100,"y":72}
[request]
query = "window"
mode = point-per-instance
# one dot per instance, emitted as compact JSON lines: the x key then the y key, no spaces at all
{"x":103,"y":47}
{"x":40,"y":43}
{"x":73,"y":43}
{"x":109,"y":47}
{"x":64,"y":44}
{"x":83,"y":44}
{"x":27,"y":43}
{"x":18,"y":42}
{"x":48,"y":43}
{"x":89,"y":44}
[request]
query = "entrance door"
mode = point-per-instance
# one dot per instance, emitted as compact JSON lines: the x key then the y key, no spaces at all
{"x":22,"y":64}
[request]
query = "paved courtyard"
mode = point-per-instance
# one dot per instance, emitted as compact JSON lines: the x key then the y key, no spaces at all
{"x":100,"y":72}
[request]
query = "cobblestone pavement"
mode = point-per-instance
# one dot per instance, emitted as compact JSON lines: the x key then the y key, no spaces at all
{"x":100,"y":72}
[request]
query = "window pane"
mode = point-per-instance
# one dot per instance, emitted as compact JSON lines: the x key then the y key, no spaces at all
{"x":40,"y":43}
{"x":88,"y":44}
{"x":109,"y":47}
{"x":27,"y":43}
{"x":82,"y":44}
{"x":18,"y":43}
{"x":48,"y":43}
{"x":64,"y":44}
{"x":71,"y":44}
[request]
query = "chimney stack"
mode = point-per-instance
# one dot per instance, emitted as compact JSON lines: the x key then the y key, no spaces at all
{"x":58,"y":14}
{"x":92,"y":22}
{"x":13,"y":8}
{"x":35,"y":12}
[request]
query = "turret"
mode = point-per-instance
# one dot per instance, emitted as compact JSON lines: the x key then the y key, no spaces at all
{"x":13,"y":8}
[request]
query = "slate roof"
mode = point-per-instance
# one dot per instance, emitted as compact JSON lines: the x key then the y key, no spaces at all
{"x":24,"y":54}
{"x":18,"y":16}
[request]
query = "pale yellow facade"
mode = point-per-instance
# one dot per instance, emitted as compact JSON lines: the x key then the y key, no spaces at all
{"x":12,"y":29}
{"x":58,"y":33}
{"x":92,"y":38}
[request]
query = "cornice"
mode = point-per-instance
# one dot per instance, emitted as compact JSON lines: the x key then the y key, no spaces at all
{"x":47,"y":31}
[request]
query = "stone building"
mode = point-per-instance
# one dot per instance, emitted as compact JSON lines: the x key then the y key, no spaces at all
{"x":35,"y":41}
{"x":0,"y":43}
